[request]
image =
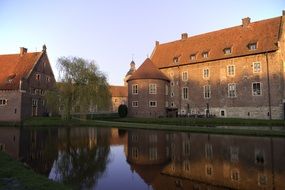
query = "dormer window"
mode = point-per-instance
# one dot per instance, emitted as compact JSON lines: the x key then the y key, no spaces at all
{"x":227,"y":51}
{"x":175,"y":60}
{"x":252,"y":46}
{"x":205,"y":54}
{"x":192,"y":57}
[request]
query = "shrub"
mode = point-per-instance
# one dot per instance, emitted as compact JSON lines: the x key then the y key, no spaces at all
{"x":123,"y":110}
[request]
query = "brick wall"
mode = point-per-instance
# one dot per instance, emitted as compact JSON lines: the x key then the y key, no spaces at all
{"x":143,"y":97}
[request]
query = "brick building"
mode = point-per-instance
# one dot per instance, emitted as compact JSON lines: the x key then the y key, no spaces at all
{"x":234,"y":72}
{"x":119,"y":96}
{"x":24,"y":78}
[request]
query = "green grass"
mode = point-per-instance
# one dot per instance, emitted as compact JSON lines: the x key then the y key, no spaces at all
{"x":28,"y":179}
{"x":199,"y":121}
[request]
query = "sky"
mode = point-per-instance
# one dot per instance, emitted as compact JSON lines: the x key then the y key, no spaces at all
{"x":115,"y":32}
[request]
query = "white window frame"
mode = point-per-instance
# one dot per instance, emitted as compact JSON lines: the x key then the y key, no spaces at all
{"x":186,"y":165}
{"x":261,"y":175}
{"x":231,"y":70}
{"x":35,"y":102}
{"x":135,"y":89}
{"x":206,"y":73}
{"x":184,"y":76}
{"x":251,"y":45}
{"x":205,"y":54}
{"x":135,"y":104}
{"x":153,"y":153}
{"x":228,"y":51}
{"x":260,"y":90}
{"x":152,"y":89}
{"x":235,"y":175}
{"x":38,"y":76}
{"x":207,"y":91}
{"x":192,"y":57}
{"x":3,"y":102}
{"x":152,"y":106}
{"x":234,"y":154}
{"x":254,"y":69}
{"x":225,"y":113}
{"x":175,"y":59}
{"x":230,"y":85}
{"x":210,"y":168}
{"x":185,"y":93}
{"x":172,"y":94}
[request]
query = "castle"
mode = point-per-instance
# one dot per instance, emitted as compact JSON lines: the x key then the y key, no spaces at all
{"x":237,"y":72}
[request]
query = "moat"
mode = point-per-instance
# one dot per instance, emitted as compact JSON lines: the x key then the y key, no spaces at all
{"x":112,"y":158}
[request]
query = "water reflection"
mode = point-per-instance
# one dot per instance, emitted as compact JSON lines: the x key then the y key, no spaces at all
{"x":104,"y":158}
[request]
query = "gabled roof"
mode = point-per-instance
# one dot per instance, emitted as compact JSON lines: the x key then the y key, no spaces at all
{"x":265,"y":33}
{"x":14,"y":67}
{"x":148,"y":71}
{"x":119,"y":91}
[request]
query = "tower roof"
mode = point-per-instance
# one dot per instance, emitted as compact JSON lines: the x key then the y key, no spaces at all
{"x":148,"y":71}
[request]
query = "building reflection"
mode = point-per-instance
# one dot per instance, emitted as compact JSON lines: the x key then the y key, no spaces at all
{"x":202,"y":161}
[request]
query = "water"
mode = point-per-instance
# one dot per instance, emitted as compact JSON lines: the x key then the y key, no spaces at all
{"x":105,"y":158}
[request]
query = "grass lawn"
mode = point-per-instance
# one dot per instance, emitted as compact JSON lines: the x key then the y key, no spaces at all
{"x":14,"y":175}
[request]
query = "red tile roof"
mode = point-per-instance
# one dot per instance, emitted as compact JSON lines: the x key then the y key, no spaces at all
{"x":16,"y":67}
{"x":265,"y":33}
{"x":148,"y":71}
{"x":119,"y":91}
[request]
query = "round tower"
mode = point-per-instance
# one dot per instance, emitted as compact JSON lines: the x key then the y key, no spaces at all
{"x":130,"y":72}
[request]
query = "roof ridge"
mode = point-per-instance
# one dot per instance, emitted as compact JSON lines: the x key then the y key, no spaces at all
{"x":215,"y":31}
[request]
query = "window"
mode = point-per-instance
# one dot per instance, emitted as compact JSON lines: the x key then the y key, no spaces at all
{"x":259,"y":157}
{"x":192,"y":57}
{"x":153,"y":138}
{"x":185,"y":76}
{"x":256,"y":89}
{"x":2,"y":147}
{"x":172,"y":83}
{"x":135,"y":138}
{"x":205,"y":54}
{"x":153,"y":153}
{"x":38,"y":77}
{"x":186,"y":165}
{"x":185,"y":93}
{"x":208,"y":151}
{"x":256,"y":67}
{"x":206,"y":73}
{"x":3,"y":102}
{"x":134,"y":89}
{"x":235,"y":175}
{"x":172,"y":104}
{"x":231,"y":70}
{"x":262,"y":179}
{"x":47,"y":79}
{"x":34,"y":102}
{"x":135,"y":104}
{"x":166,"y":90}
{"x":232,"y":92}
{"x":207,"y":91}
{"x":227,"y":51}
{"x":175,"y":60}
{"x":234,"y":154}
{"x":172,"y":94}
{"x":152,"y":88}
{"x":252,"y":46}
{"x":209,"y":170}
{"x":223,"y":113}
{"x":186,"y":148}
{"x":135,"y":153}
{"x":152,"y":103}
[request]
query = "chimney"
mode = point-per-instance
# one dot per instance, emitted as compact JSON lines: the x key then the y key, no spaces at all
{"x":44,"y":48}
{"x":283,"y":13}
{"x":23,"y":50}
{"x":156,"y":43}
{"x":245,"y":21}
{"x":184,"y":36}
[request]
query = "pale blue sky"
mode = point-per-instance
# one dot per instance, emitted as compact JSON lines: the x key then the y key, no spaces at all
{"x":111,"y":32}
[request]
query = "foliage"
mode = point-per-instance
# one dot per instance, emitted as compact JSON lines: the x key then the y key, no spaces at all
{"x":123,"y":110}
{"x":82,"y":87}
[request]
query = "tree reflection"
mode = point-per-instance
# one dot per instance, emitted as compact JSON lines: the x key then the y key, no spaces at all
{"x":80,"y":164}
